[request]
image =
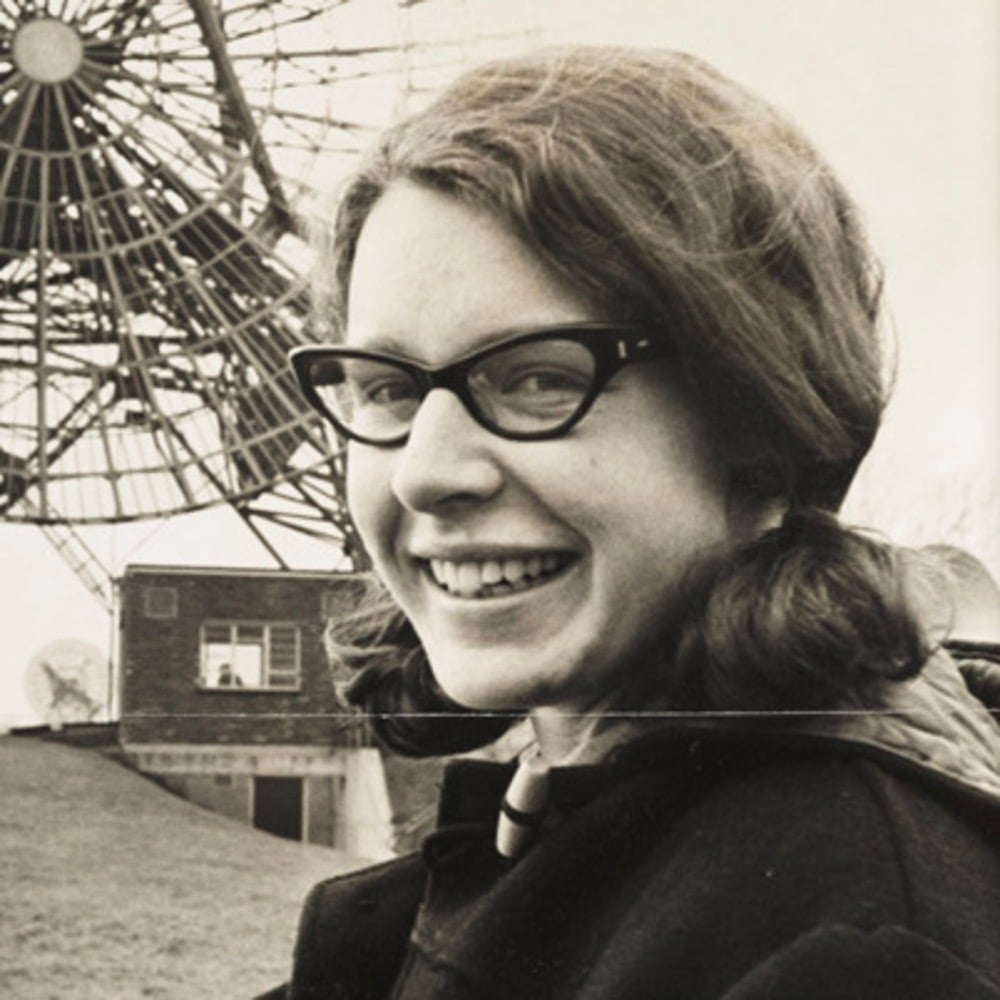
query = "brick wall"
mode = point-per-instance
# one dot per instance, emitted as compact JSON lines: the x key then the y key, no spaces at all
{"x":162,"y":700}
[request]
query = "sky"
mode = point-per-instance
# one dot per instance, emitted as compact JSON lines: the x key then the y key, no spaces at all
{"x":903,"y":97}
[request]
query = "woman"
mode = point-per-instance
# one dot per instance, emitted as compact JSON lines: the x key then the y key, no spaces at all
{"x":607,"y":362}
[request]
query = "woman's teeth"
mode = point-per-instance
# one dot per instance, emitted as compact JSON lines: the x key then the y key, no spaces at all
{"x":493,"y":577}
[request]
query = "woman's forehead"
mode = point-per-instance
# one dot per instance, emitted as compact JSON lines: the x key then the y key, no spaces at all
{"x":434,"y":278}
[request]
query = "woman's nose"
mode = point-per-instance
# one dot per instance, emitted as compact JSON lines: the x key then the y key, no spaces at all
{"x":447,"y":457}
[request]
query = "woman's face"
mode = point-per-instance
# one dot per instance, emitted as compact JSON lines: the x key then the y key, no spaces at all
{"x":593,"y":529}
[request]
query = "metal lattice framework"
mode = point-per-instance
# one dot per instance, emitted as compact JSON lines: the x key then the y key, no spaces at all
{"x":154,"y":159}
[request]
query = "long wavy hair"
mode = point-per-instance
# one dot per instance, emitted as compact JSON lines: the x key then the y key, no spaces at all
{"x":672,"y":197}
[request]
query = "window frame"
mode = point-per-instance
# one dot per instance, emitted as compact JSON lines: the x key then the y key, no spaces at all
{"x":159,"y":602}
{"x":288,"y":679}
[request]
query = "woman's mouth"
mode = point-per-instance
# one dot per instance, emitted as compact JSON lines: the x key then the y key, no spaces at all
{"x":496,"y":577}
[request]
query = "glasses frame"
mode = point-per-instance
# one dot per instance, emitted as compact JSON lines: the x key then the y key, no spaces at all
{"x":612,"y":346}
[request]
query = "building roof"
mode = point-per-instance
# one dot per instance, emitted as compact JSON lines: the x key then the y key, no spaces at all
{"x":147,"y":569}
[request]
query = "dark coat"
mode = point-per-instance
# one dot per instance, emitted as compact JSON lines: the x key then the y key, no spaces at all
{"x":697,"y":862}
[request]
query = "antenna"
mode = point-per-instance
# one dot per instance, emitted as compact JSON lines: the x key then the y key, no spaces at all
{"x":66,"y":681}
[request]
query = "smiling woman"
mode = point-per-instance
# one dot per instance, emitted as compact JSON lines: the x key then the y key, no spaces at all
{"x":451,"y":278}
{"x":604,"y":345}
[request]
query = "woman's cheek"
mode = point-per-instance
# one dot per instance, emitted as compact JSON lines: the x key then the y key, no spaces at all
{"x":369,"y":496}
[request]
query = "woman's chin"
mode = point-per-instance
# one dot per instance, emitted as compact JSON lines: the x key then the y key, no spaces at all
{"x":485,"y":696}
{"x":500,"y":685}
{"x":487,"y":687}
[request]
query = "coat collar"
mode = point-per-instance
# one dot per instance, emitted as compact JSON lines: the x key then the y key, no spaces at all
{"x":930,"y":726}
{"x":931,"y":720}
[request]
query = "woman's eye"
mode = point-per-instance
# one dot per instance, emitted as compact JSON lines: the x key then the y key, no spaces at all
{"x":545,"y":380}
{"x":387,"y":391}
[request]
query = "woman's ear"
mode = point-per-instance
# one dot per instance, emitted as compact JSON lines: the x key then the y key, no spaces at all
{"x":751,"y":510}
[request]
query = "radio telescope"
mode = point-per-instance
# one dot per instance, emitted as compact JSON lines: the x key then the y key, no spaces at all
{"x":157,"y":159}
{"x":66,"y":682}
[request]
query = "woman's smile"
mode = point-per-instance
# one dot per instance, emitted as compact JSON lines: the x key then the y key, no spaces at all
{"x":487,"y":630}
{"x":497,"y":576}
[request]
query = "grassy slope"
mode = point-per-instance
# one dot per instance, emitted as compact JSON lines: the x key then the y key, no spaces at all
{"x":115,"y":889}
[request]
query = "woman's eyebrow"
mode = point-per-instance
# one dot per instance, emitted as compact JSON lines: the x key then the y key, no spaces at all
{"x":387,"y":344}
{"x":394,"y":344}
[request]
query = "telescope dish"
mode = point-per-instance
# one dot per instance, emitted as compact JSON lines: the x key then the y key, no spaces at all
{"x":66,"y":682}
{"x":156,"y":164}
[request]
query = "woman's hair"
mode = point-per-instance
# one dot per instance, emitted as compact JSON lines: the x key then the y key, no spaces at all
{"x":671,"y":197}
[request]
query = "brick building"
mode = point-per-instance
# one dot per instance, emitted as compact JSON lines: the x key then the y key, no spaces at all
{"x":226,"y":697}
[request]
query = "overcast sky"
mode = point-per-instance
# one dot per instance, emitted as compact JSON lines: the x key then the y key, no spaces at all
{"x":902,"y":96}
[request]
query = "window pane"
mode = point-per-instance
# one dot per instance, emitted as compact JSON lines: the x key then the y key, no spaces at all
{"x":161,"y":602}
{"x":216,"y":668}
{"x":284,"y":670}
{"x":284,"y":649}
{"x":248,"y":664}
{"x":216,"y":633}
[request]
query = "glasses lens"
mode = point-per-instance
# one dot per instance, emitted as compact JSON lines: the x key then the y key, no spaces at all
{"x":374,"y":399}
{"x":533,"y":386}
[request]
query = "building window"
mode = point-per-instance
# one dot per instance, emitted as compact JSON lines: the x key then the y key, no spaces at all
{"x":160,"y":602}
{"x":250,"y":655}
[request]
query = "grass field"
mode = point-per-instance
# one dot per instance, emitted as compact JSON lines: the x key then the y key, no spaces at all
{"x":115,"y":889}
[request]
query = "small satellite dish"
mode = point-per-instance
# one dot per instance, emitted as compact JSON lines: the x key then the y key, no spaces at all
{"x":66,"y":681}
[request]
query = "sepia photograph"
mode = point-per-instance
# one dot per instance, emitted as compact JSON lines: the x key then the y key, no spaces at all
{"x":500,"y":499}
